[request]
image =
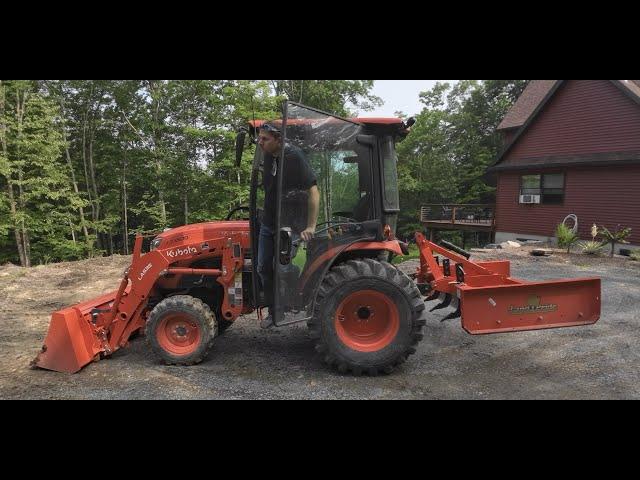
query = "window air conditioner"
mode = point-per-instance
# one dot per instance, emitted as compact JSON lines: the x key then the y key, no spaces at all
{"x":529,"y":198}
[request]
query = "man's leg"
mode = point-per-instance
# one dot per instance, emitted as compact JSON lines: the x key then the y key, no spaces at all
{"x":265,"y":270}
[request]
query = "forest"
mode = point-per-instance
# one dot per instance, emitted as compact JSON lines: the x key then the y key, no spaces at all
{"x":85,"y":165}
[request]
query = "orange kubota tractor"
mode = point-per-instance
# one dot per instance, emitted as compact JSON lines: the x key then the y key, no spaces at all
{"x":365,"y":315}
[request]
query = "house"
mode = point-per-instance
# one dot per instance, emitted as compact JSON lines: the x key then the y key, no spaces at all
{"x":571,"y":147}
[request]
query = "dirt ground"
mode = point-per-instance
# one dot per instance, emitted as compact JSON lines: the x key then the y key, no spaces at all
{"x":600,"y":361}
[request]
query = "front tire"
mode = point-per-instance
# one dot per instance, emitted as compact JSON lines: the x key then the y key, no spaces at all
{"x":181,"y":329}
{"x":368,"y":317}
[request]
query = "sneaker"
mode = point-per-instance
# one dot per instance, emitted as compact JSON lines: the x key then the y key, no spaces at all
{"x":267,"y":322}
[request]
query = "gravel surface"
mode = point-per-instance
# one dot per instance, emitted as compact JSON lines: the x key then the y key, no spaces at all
{"x":600,"y":361}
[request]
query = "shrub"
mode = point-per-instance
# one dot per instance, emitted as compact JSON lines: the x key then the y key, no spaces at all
{"x":566,"y":238}
{"x":591,"y":248}
{"x":618,"y":236}
{"x":635,"y":255}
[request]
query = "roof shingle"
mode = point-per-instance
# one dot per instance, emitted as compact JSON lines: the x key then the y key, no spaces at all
{"x":527,"y":102}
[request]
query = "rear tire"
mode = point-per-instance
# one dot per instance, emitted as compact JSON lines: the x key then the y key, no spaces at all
{"x":181,"y":329}
{"x":368,"y":317}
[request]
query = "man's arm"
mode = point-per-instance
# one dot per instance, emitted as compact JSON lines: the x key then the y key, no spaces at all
{"x":313,"y":206}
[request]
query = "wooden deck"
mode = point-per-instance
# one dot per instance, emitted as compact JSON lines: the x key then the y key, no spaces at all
{"x":474,"y":225}
{"x":465,"y":217}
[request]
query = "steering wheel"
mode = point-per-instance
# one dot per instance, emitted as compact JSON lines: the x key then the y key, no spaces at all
{"x":334,"y":225}
{"x":237,"y":209}
{"x":336,"y":222}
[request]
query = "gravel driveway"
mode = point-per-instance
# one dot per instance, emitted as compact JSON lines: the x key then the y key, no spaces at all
{"x":600,"y":361}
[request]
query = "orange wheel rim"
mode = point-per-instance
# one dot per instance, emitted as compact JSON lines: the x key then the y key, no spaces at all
{"x":178,"y":334}
{"x":367,"y":321}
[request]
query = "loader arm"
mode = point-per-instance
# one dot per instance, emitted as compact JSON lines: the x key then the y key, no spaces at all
{"x":489,"y":300}
{"x":88,"y":331}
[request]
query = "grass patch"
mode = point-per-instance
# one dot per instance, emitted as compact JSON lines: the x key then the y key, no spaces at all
{"x":301,"y":256}
{"x":300,"y":259}
{"x":414,"y":253}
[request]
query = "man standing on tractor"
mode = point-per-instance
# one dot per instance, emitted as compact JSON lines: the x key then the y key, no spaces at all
{"x":299,"y":182}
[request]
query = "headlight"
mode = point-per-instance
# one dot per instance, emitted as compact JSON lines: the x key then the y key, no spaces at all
{"x":155,"y":244}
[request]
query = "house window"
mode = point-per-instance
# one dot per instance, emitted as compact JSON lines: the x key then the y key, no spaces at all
{"x":549,"y":186}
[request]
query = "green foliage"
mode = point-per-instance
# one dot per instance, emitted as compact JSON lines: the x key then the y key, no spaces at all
{"x":165,"y":148}
{"x":34,"y":175}
{"x":408,"y":229}
{"x":332,"y":96}
{"x":566,"y":238}
{"x":414,"y":253}
{"x":150,"y":214}
{"x":87,"y":152}
{"x":591,"y":247}
{"x":635,"y":255}
{"x":619,"y":235}
{"x":454,"y":140}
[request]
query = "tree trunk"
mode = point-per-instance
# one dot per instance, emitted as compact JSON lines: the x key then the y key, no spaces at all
{"x":16,"y":230}
{"x":156,"y":141}
{"x":73,"y":233}
{"x":24,"y":234}
{"x":27,"y":246}
{"x":125,"y":231}
{"x":163,"y":208}
{"x":92,"y":172}
{"x":186,"y":209}
{"x":84,"y":161}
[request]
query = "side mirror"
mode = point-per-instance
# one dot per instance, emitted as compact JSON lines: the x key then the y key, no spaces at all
{"x":368,"y":140}
{"x":240,"y":138}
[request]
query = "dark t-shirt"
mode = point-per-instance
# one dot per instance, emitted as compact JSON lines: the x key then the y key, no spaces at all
{"x":299,"y":178}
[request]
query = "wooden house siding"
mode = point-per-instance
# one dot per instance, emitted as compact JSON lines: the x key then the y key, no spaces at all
{"x":603,"y":195}
{"x":582,"y":117}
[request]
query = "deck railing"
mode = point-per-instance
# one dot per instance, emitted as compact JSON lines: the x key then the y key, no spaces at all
{"x":461,"y":214}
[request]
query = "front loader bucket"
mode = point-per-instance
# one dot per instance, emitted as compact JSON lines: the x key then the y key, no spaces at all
{"x":72,"y":342}
{"x":529,"y":306}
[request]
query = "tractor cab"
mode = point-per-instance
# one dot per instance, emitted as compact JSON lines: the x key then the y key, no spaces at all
{"x":354,"y":164}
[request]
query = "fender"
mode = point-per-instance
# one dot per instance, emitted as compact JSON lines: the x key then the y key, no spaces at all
{"x":331,"y":256}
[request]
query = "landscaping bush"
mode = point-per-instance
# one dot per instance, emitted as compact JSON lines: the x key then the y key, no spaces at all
{"x":566,"y":238}
{"x":591,"y":248}
{"x":619,"y":235}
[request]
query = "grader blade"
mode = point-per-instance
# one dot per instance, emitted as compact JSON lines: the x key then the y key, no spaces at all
{"x":490,"y":300}
{"x":530,"y":306}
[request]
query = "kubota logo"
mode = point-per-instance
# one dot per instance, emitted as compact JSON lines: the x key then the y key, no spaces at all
{"x":144,"y":270}
{"x":179,"y":252}
{"x":533,"y":307}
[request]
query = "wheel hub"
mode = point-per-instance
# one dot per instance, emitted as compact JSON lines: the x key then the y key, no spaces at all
{"x":178,"y":334}
{"x":367,"y":320}
{"x":364,"y":313}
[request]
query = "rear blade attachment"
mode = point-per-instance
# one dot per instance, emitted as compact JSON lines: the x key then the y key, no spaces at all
{"x":530,"y":306}
{"x":489,"y":300}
